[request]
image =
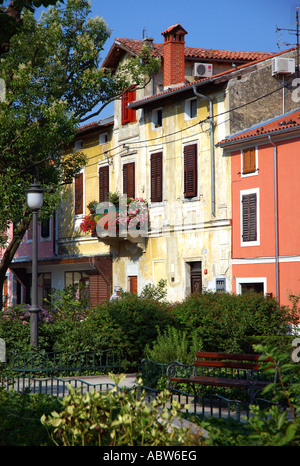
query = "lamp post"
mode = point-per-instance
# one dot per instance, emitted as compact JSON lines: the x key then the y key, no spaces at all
{"x":34,"y":198}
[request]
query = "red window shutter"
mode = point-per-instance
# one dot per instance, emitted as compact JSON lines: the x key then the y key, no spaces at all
{"x":103,"y":183}
{"x":156,"y":177}
{"x":190,"y":171}
{"x":129,"y":179}
{"x":249,"y":219}
{"x":127,"y":114}
{"x":79,"y":194}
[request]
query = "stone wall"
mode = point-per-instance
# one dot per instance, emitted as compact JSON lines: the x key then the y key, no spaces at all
{"x":270,"y":96}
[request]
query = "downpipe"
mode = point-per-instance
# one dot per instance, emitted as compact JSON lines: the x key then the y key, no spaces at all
{"x":212,"y":149}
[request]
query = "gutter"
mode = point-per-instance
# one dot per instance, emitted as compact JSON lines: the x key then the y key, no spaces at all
{"x":276,"y":217}
{"x":212,"y":149}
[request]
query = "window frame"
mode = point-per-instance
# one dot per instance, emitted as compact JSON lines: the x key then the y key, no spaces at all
{"x":103,"y":138}
{"x":244,"y":193}
{"x":188,"y":108}
{"x":248,"y":280}
{"x":48,"y":237}
{"x":157,"y":122}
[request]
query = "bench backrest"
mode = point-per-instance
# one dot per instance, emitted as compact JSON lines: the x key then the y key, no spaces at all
{"x":230,"y":360}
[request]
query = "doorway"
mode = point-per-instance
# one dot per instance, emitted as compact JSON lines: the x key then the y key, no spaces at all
{"x":196,"y":276}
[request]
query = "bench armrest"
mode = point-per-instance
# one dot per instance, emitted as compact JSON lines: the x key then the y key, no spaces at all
{"x":172,"y":369}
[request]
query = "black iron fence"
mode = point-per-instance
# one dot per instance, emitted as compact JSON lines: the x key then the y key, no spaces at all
{"x":54,"y":364}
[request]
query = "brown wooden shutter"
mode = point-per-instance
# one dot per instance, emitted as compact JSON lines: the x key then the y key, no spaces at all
{"x":103,"y":183}
{"x":249,"y":160}
{"x":249,"y":217}
{"x":129,"y":179}
{"x":133,"y":280}
{"x":190,"y":171}
{"x":156,"y":177}
{"x":79,"y":194}
{"x":98,"y":290}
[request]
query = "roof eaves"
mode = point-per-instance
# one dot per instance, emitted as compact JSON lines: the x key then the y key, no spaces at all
{"x":257,"y":137}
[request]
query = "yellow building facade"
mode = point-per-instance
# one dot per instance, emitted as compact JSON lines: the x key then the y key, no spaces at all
{"x":159,"y":146}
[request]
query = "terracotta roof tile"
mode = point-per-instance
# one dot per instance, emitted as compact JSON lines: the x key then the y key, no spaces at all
{"x":290,"y":120}
{"x":135,"y":45}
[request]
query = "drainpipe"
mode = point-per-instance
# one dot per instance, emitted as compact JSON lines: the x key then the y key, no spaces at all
{"x":276,"y":217}
{"x":212,"y":150}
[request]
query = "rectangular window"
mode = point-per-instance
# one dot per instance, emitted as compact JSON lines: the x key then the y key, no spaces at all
{"x":247,"y":288}
{"x":249,"y":217}
{"x":190,"y":171}
{"x":78,"y":145}
{"x":249,"y":160}
{"x":129,"y":179}
{"x":45,"y":228}
{"x":157,"y":117}
{"x":128,"y":115}
{"x":190,"y":108}
{"x":156,"y":177}
{"x":103,"y":183}
{"x":103,"y":138}
{"x":78,"y":195}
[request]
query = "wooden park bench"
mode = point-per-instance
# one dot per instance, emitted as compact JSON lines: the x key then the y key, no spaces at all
{"x":221,"y":370}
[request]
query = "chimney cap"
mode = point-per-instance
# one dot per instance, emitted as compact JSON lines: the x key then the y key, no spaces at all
{"x":148,"y":41}
{"x":176,"y":28}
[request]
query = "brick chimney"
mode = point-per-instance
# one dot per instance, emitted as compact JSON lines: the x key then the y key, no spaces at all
{"x":174,"y":69}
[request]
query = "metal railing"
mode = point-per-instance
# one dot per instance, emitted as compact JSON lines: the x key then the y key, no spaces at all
{"x":64,"y":363}
{"x":50,"y":386}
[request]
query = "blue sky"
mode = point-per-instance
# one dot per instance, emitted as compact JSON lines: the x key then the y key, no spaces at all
{"x":217,"y":24}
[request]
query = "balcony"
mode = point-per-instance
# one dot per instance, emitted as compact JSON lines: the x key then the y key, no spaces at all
{"x":116,"y":222}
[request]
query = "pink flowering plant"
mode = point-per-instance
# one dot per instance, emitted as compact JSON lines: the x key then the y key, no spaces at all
{"x":117,"y":216}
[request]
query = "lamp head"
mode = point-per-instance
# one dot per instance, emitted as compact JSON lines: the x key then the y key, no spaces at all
{"x":35,"y":197}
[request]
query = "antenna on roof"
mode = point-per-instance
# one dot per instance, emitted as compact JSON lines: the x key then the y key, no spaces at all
{"x":295,"y":32}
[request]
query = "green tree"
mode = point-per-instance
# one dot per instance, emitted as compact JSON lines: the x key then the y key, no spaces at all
{"x":10,"y":18}
{"x":53,"y":81}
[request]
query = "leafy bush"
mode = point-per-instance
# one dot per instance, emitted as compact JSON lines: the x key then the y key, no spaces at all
{"x":232,"y":323}
{"x":116,"y":418}
{"x":20,"y":415}
{"x":129,"y":324}
{"x":15,"y":327}
{"x":173,"y":345}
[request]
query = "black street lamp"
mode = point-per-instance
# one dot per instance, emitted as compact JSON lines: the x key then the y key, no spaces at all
{"x":34,"y":198}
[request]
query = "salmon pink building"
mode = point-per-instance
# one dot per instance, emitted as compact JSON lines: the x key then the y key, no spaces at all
{"x":265,"y":189}
{"x":17,"y":285}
